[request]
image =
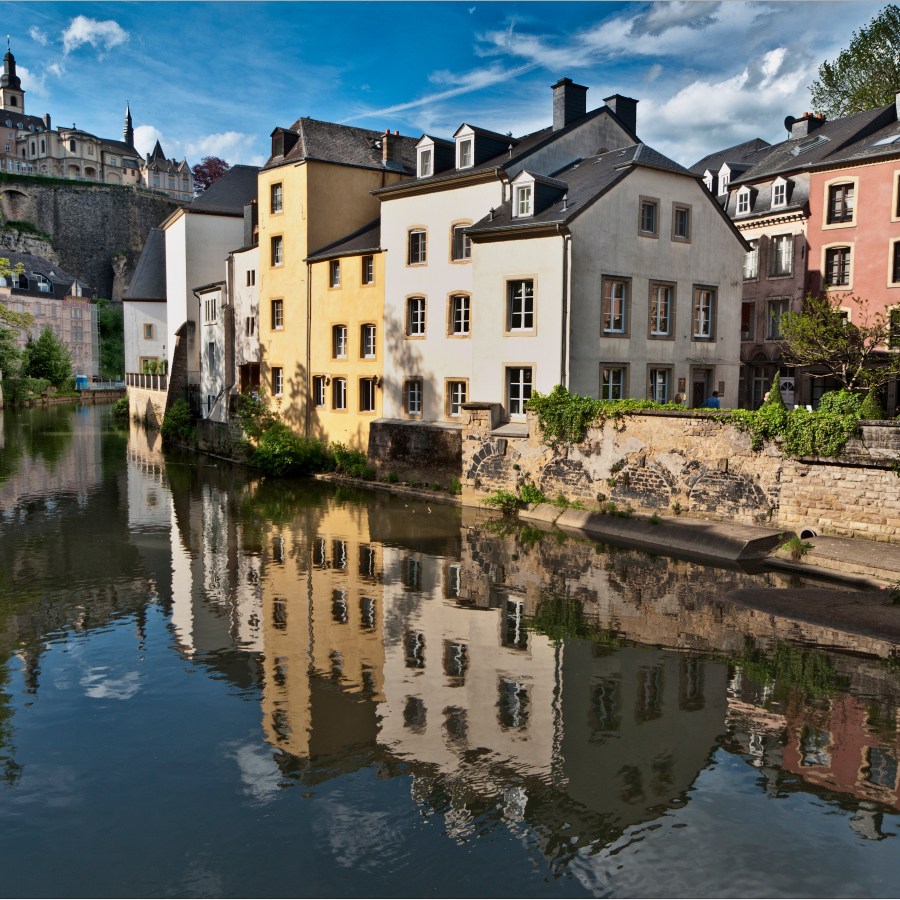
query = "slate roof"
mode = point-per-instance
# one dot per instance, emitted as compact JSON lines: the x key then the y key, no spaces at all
{"x":20,"y":121}
{"x":582,"y":183}
{"x":149,"y":279}
{"x":884,"y":143}
{"x":345,"y":144}
{"x":37,"y":265}
{"x":740,"y":155}
{"x":798,"y":199}
{"x":230,"y":194}
{"x":365,"y":240}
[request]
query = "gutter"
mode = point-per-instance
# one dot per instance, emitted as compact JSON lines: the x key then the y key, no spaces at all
{"x":308,"y":341}
{"x":566,"y":294}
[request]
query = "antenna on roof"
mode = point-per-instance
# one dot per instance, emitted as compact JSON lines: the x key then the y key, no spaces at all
{"x":510,"y":151}
{"x":565,"y":201}
{"x":492,"y":214}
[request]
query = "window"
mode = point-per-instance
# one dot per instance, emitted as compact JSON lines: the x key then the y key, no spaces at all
{"x":425,"y":165}
{"x":460,"y":315}
{"x":751,"y":262}
{"x":148,"y":332}
{"x":523,"y":204}
{"x":748,"y":321}
{"x":649,"y":222}
{"x":415,"y":317}
{"x":837,"y":267}
{"x":659,"y":382}
{"x":895,"y":263}
{"x":71,"y":146}
{"x":412,"y":397}
{"x":334,"y":273}
{"x":704,"y":312}
{"x":743,"y":202}
{"x":894,"y":334}
{"x":368,"y":270}
{"x":457,"y":392}
{"x":840,"y":203}
{"x":518,"y":389}
{"x":250,"y":326}
{"x":319,"y":391}
{"x":520,"y":305}
{"x":367,"y":395}
{"x":339,"y":341}
{"x":276,"y":196}
{"x":277,"y":315}
{"x":465,"y":153}
{"x":775,"y":310}
{"x":277,"y":251}
{"x":416,"y":255}
{"x":209,"y":310}
{"x":781,"y":254}
{"x":615,"y":306}
{"x":681,"y":223}
{"x":367,"y":342}
{"x":724,"y":181}
{"x":251,"y":277}
{"x":612,"y":382}
{"x":461,"y":244}
{"x":339,"y":393}
{"x":779,"y":193}
{"x":660,"y":310}
{"x":277,"y":381}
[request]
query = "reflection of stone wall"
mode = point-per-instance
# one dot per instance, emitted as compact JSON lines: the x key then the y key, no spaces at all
{"x":659,"y":459}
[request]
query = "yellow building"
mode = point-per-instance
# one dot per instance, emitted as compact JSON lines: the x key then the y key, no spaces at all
{"x":313,"y":191}
{"x":346,"y":362}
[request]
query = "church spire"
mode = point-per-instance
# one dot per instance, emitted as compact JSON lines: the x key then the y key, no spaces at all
{"x":9,"y":78}
{"x":128,"y":130}
{"x":12,"y":97}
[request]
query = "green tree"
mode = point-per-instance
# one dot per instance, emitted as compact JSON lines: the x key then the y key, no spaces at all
{"x":7,"y":316}
{"x":10,"y":354}
{"x":111,"y":321}
{"x":865,"y":75}
{"x":48,"y":357}
{"x":854,"y":353}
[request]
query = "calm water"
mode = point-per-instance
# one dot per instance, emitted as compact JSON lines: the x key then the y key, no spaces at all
{"x":215,"y":686}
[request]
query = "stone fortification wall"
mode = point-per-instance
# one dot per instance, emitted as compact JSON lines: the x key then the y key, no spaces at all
{"x":660,"y":461}
{"x":90,"y":225}
{"x":415,"y":452}
{"x":146,"y":405}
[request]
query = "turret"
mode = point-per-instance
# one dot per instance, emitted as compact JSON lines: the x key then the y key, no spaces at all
{"x":12,"y":97}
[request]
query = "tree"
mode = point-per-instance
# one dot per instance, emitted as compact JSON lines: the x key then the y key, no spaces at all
{"x":866,"y":74}
{"x":111,"y":321}
{"x":7,"y":316}
{"x":853,"y":353}
{"x":48,"y":357}
{"x":207,"y":172}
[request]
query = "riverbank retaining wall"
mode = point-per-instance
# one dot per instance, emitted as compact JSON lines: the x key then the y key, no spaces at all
{"x":147,"y":406}
{"x":692,"y":462}
{"x":415,"y":452}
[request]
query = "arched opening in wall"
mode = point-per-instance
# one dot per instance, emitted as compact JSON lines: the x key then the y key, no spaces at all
{"x":113,"y":178}
{"x":807,"y":533}
{"x":73,"y":172}
{"x":14,"y":205}
{"x":90,"y":172}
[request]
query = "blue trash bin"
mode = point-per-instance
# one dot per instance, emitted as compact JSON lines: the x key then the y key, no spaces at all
{"x":81,"y":382}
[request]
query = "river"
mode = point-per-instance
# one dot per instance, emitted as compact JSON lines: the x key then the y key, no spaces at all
{"x":212,"y":685}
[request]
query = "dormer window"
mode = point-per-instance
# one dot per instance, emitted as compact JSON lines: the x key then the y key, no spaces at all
{"x":465,"y":153}
{"x":724,"y":178}
{"x":743,"y":201}
{"x":524,"y":203}
{"x":779,"y":193}
{"x":709,"y":180}
{"x":426,"y":162}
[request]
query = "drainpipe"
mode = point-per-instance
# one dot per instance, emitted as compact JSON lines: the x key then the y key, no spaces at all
{"x":308,"y":339}
{"x":564,"y":343}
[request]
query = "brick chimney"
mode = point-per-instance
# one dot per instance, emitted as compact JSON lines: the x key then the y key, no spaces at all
{"x":569,"y":102}
{"x":391,"y":148}
{"x":625,"y":109}
{"x":806,"y":125}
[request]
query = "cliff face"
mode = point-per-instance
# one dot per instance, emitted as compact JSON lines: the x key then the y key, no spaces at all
{"x":96,"y":231}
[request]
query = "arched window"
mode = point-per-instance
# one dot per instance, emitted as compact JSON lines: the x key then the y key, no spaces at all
{"x":72,"y":145}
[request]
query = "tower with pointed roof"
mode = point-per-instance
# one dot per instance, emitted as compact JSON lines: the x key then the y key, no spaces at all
{"x":12,"y":97}
{"x":128,"y":130}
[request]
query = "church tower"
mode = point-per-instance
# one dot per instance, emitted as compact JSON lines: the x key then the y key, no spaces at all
{"x":12,"y":97}
{"x":128,"y":130}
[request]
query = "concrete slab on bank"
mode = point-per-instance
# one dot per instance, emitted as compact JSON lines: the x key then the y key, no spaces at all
{"x":695,"y":537}
{"x":876,"y":560}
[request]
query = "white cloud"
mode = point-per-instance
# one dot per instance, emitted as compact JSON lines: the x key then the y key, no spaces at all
{"x":260,"y":775}
{"x":38,"y":36}
{"x":232,"y":146}
{"x":145,"y":138}
{"x":101,"y":686}
{"x":104,"y":35}
{"x":36,"y":85}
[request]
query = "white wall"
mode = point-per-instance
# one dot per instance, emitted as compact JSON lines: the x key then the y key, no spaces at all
{"x":136,"y":314}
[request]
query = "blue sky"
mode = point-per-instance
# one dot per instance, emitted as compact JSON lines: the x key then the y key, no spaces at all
{"x":216,"y":78}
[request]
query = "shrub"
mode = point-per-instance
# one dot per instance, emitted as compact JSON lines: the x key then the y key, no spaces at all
{"x":392,"y":478}
{"x":797,"y":547}
{"x":871,"y":407}
{"x":842,"y":402}
{"x":774,"y":397}
{"x":120,"y":408}
{"x":455,"y":486}
{"x":177,"y":423}
{"x":281,"y":452}
{"x":529,"y":493}
{"x":352,"y":463}
{"x":505,"y":501}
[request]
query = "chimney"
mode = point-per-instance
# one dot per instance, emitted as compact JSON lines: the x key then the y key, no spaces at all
{"x":46,"y":121}
{"x":625,"y":110}
{"x":806,"y":125}
{"x":569,"y":102}
{"x":251,"y":229}
{"x":391,"y":147}
{"x":897,"y":105}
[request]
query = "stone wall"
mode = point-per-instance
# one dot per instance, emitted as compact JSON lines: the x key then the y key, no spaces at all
{"x":222,"y":439}
{"x":660,"y":461}
{"x":90,"y":225}
{"x":415,"y":452}
{"x":147,"y":406}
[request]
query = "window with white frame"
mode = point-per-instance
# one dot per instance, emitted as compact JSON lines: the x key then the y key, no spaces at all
{"x":615,"y":306}
{"x":659,"y":384}
{"x":277,"y":315}
{"x":681,"y":223}
{"x":334,"y":273}
{"x":894,"y":325}
{"x":276,"y":198}
{"x":518,"y":389}
{"x":724,"y":180}
{"x":339,"y":393}
{"x":415,"y":317}
{"x":751,"y":261}
{"x":703,"y":313}
{"x":367,"y":395}
{"x":318,"y":386}
{"x":460,"y":315}
{"x":837,"y":266}
{"x":781,"y":254}
{"x":412,"y":397}
{"x":661,"y":310}
{"x":251,"y":277}
{"x":250,"y":326}
{"x":840,"y":203}
{"x":520,"y":305}
{"x":277,"y":251}
{"x":426,"y":166}
{"x":417,"y":248}
{"x":779,"y":193}
{"x":464,"y":149}
{"x":613,"y":382}
{"x":461,"y":244}
{"x":277,"y":381}
{"x":339,"y":341}
{"x":367,"y":341}
{"x":368,"y":269}
{"x":456,"y":396}
{"x":743,"y":201}
{"x":523,"y":205}
{"x":775,"y":309}
{"x":209,"y":310}
{"x":895,"y":262}
{"x":649,"y":218}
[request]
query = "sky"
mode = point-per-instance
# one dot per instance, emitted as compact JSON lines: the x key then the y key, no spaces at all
{"x":216,"y":78}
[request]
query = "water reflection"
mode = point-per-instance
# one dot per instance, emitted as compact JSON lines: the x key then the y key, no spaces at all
{"x":568,"y":694}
